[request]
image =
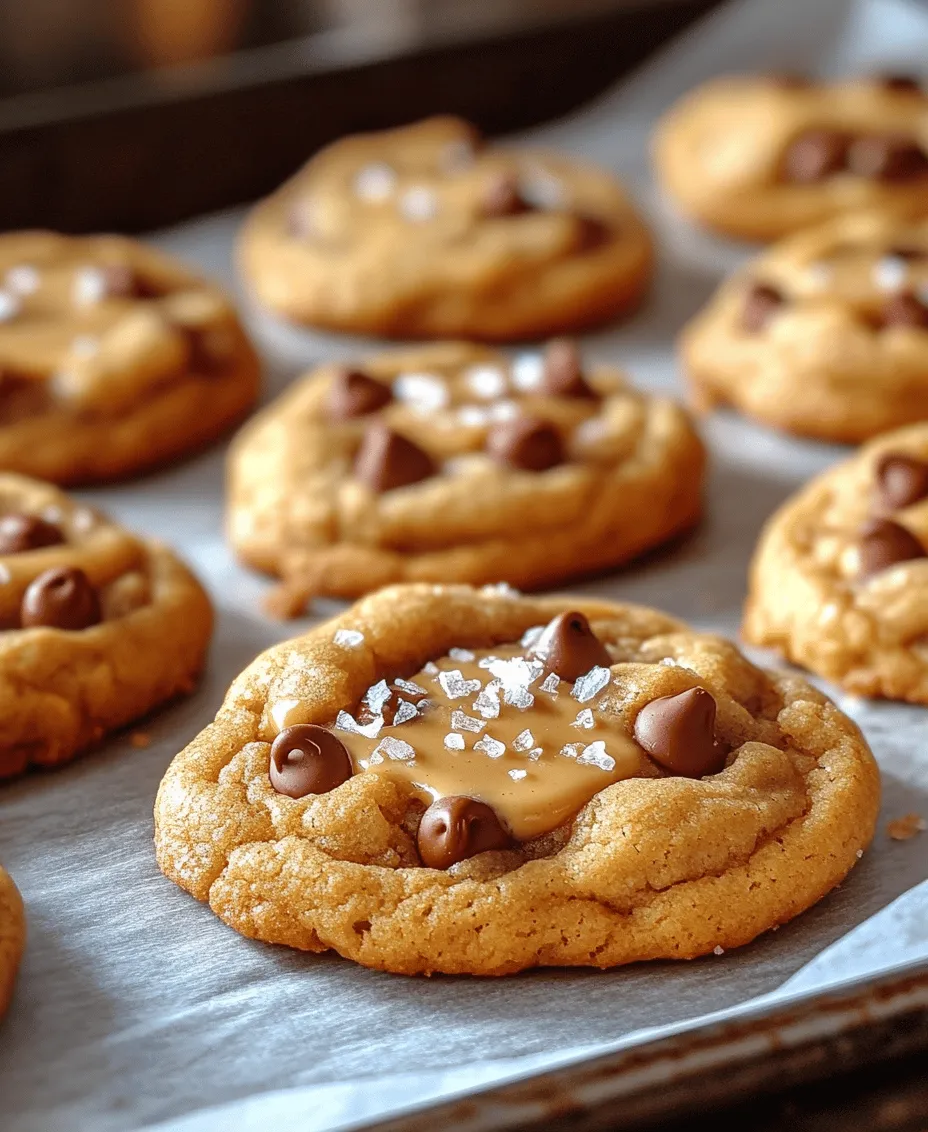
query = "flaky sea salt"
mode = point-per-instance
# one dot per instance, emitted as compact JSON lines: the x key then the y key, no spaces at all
{"x":375,"y":182}
{"x":485,"y":381}
{"x":409,"y":686}
{"x":499,"y":589}
{"x":90,"y":286}
{"x":424,"y":392}
{"x":534,"y":754}
{"x":490,"y":746}
{"x":430,"y":668}
{"x":551,"y":683}
{"x":487,"y":703}
{"x":718,"y":950}
{"x":595,"y":755}
{"x":463,"y":656}
{"x":10,"y":306}
{"x":4,"y":575}
{"x":85,"y":346}
{"x":571,"y":750}
{"x":520,"y":698}
{"x":397,"y":749}
{"x":348,"y":638}
{"x":454,"y":742}
{"x":419,"y":203}
{"x":344,"y":721}
{"x":377,"y":695}
{"x":523,"y":741}
{"x":503,"y":411}
{"x":590,"y":683}
{"x":528,"y":371}
{"x":584,"y":719}
{"x":405,"y":711}
{"x":889,"y":273}
{"x":473,"y":416}
{"x":455,"y":686}
{"x":460,"y":721}
{"x":543,"y":189}
{"x":531,"y":636}
{"x":23,"y":279}
{"x":516,"y":775}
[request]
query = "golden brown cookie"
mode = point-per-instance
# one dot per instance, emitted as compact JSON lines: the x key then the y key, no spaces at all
{"x":839,"y":582}
{"x":12,"y":937}
{"x":469,"y":781}
{"x":825,"y":334}
{"x":451,"y":463}
{"x":97,"y":626}
{"x":759,"y":157}
{"x":113,"y":358}
{"x":426,"y":232}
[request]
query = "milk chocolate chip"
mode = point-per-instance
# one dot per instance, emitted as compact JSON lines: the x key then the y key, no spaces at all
{"x":569,"y":647}
{"x":354,"y":394}
{"x":525,"y":443}
{"x":887,"y":157}
{"x":884,"y":543}
{"x":904,"y":309}
{"x":814,"y":155}
{"x":387,"y":460}
{"x":308,"y":759}
{"x":761,"y":303}
{"x":900,"y":480}
{"x":502,"y":196}
{"x":679,"y":733}
{"x":19,"y":532}
{"x":453,"y":829}
{"x":62,"y":598}
{"x":899,"y":82}
{"x":562,"y":375}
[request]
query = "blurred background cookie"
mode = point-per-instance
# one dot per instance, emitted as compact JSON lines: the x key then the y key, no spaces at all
{"x":12,"y":937}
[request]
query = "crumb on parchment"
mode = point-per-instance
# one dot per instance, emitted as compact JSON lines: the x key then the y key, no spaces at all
{"x":906,"y":827}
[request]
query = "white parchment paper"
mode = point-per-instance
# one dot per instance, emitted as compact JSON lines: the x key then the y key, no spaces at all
{"x":138,"y":1008}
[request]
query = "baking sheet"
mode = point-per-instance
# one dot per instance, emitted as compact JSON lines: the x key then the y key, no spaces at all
{"x":138,"y":1008}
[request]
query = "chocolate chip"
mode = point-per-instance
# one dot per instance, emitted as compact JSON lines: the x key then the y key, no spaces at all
{"x":899,"y":82}
{"x":308,"y":759}
{"x":62,"y":598}
{"x":121,"y":282}
{"x":453,"y":829}
{"x":354,"y":394}
{"x":883,"y":543}
{"x":904,"y":309}
{"x":814,"y":155}
{"x":887,"y":157}
{"x":593,"y":232}
{"x":387,"y":460}
{"x":562,"y":375}
{"x":502,"y":196}
{"x":19,"y":532}
{"x":761,"y":303}
{"x":679,"y":733}
{"x":907,"y":252}
{"x":525,"y":443}
{"x":569,"y":647}
{"x":901,"y":480}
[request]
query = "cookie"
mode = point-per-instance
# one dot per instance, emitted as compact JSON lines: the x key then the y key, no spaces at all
{"x":427,"y":232}
{"x":12,"y":937}
{"x":113,"y":358}
{"x":825,"y":334}
{"x":839,"y":581}
{"x":97,"y":626}
{"x":445,"y":779}
{"x":759,"y":157}
{"x":451,"y":463}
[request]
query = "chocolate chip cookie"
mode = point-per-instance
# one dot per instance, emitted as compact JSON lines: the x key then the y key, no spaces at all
{"x":97,"y":626}
{"x":470,"y":781}
{"x":427,"y":232}
{"x":452,"y":463}
{"x":759,"y":157}
{"x":825,"y":334}
{"x":839,"y":582}
{"x":113,"y":358}
{"x":12,"y":937}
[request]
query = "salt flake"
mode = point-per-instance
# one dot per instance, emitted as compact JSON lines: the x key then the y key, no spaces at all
{"x":473,"y":416}
{"x":455,"y":686}
{"x":499,"y":589}
{"x":571,"y":750}
{"x":490,"y":746}
{"x":503,"y":411}
{"x":377,"y":695}
{"x":531,"y":636}
{"x":462,"y":655}
{"x":460,"y":721}
{"x":90,"y":286}
{"x":516,"y":775}
{"x":419,"y":203}
{"x":595,"y":755}
{"x":485,"y":381}
{"x":424,"y":392}
{"x":551,"y":683}
{"x":523,"y":741}
{"x":590,"y":684}
{"x":375,"y":182}
{"x":535,"y":754}
{"x":528,"y":372}
{"x":454,"y":742}
{"x":348,"y":638}
{"x":396,"y":749}
{"x":889,"y":273}
{"x":409,"y":686}
{"x":344,"y":721}
{"x":405,"y":711}
{"x":718,"y":950}
{"x":584,"y":719}
{"x":10,"y":306}
{"x":487,"y":703}
{"x":430,"y":668}
{"x":23,"y":279}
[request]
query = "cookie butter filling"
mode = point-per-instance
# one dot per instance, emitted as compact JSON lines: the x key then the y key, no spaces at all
{"x":500,"y":743}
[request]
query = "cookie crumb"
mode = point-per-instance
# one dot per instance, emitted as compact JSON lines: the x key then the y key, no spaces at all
{"x":287,"y":600}
{"x":860,"y":853}
{"x":140,"y":739}
{"x":906,"y":827}
{"x":718,"y":950}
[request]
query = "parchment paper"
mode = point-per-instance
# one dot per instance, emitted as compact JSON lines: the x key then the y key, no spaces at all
{"x":138,"y":1008}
